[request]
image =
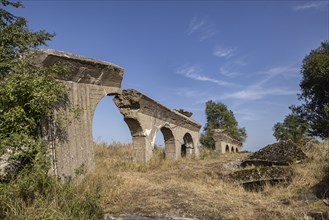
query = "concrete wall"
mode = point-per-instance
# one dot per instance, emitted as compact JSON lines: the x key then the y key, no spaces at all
{"x":226,"y":147}
{"x":145,"y":117}
{"x":88,"y":82}
{"x":224,"y":143}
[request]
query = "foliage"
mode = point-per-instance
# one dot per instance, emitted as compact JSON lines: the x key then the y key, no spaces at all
{"x":32,"y":103}
{"x":28,"y":94}
{"x":15,"y":37}
{"x":218,"y":116}
{"x":292,"y":128}
{"x":36,"y":195}
{"x":315,"y":91}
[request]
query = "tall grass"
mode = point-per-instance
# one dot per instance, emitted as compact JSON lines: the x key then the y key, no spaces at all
{"x":199,"y":188}
{"x":190,"y":187}
{"x":36,"y":195}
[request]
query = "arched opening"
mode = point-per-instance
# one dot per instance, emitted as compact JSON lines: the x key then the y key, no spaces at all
{"x":232,"y":149}
{"x":108,"y":123}
{"x":227,"y":149}
{"x":111,"y":135}
{"x":138,"y":138}
{"x":237,"y":150}
{"x":183,"y":150}
{"x":187,"y":147}
{"x":167,"y":143}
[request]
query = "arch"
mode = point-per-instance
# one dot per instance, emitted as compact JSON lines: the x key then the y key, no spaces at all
{"x":169,"y":142}
{"x":232,"y":149}
{"x":188,"y":146}
{"x":108,"y":123}
{"x":134,"y":127}
{"x":138,"y":139}
{"x":227,"y":149}
{"x":236,"y":149}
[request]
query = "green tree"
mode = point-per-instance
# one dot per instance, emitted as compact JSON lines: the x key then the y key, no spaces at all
{"x":28,"y":94}
{"x":293,"y":128}
{"x":15,"y":38}
{"x":219,"y":116}
{"x":315,"y":91}
{"x":31,"y":100}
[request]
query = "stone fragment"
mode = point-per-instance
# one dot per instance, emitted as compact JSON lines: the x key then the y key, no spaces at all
{"x":257,"y":178}
{"x":281,"y":153}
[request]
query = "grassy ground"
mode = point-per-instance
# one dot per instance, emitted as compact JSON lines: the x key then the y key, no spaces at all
{"x":198,"y":188}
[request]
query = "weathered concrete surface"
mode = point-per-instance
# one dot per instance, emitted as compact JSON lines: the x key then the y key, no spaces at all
{"x":280,"y":153}
{"x":145,"y":117}
{"x":257,"y":178}
{"x":89,"y":81}
{"x":224,"y":143}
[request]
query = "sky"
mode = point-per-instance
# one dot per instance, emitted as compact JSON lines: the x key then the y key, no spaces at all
{"x":246,"y":54}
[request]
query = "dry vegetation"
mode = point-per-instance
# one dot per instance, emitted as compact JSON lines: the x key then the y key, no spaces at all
{"x":198,"y":188}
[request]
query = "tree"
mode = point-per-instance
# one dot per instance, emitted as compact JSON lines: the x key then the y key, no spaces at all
{"x":293,"y":128}
{"x":315,"y":91}
{"x":218,"y":116}
{"x":15,"y":38}
{"x":31,"y":98}
{"x":28,"y":94}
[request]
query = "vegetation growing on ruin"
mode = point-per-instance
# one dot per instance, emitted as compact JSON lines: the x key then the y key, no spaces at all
{"x":31,"y":103}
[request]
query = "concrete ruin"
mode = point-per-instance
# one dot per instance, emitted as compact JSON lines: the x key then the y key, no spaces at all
{"x":88,"y":82}
{"x":224,"y":143}
{"x":145,"y":117}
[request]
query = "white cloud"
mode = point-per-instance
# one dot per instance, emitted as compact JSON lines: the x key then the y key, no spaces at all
{"x":248,"y":115}
{"x":195,"y":73}
{"x":232,"y":68}
{"x":196,"y":25}
{"x":224,"y":52}
{"x":257,"y":93}
{"x":226,"y":72}
{"x":286,"y":72}
{"x":201,"y":27}
{"x":263,"y":88}
{"x":311,"y":5}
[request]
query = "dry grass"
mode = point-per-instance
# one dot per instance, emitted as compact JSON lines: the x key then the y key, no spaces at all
{"x":199,"y":188}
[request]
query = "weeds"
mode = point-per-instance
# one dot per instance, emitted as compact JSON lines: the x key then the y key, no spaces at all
{"x":36,"y":195}
{"x":198,"y":187}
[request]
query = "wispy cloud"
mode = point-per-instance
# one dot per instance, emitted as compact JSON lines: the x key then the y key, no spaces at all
{"x":201,"y":27}
{"x":195,"y":73}
{"x":311,"y":5}
{"x":229,"y":73}
{"x":263,"y":88}
{"x":248,"y":114}
{"x":224,"y":52}
{"x":232,"y":68}
{"x":256,"y":93}
{"x":284,"y":71}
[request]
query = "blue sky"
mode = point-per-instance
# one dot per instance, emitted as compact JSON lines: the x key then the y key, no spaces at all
{"x":246,"y":54}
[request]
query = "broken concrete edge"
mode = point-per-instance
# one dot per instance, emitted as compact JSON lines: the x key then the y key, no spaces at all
{"x":279,"y":153}
{"x":184,"y":112}
{"x":75,"y":57}
{"x":82,"y":69}
{"x":141,"y":96}
{"x":255,"y":162}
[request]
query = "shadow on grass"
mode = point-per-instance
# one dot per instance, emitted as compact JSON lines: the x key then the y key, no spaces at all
{"x":321,"y":190}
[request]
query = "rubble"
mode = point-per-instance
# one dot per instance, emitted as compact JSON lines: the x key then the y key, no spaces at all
{"x":282,"y":153}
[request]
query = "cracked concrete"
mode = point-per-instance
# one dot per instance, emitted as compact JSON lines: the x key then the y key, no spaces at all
{"x":88,"y":82}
